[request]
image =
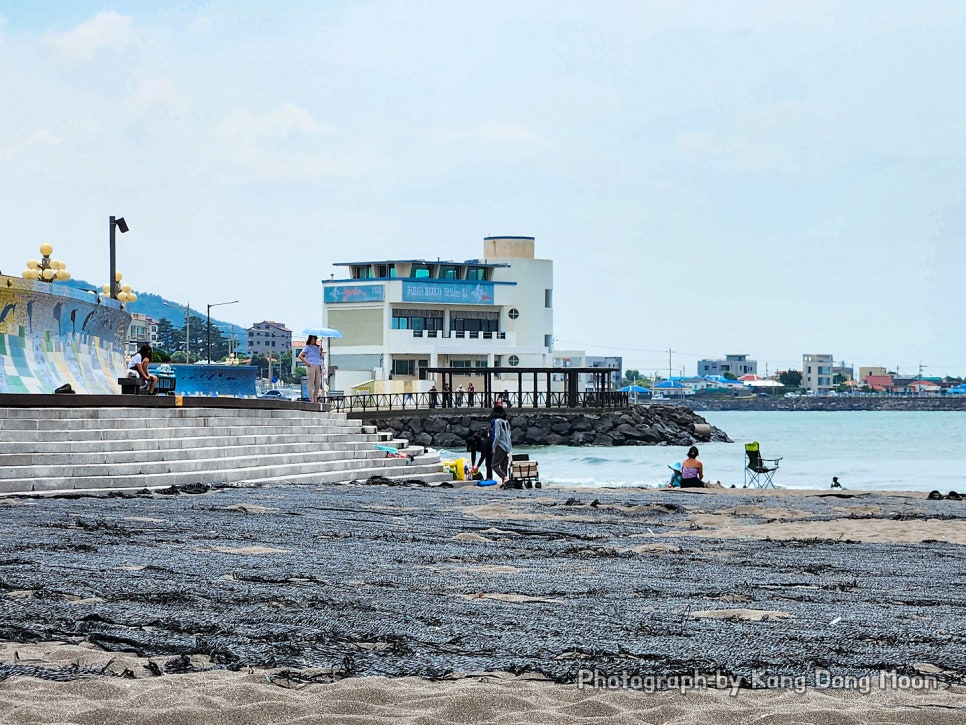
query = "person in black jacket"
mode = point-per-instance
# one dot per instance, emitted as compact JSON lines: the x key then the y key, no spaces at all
{"x":478,"y":444}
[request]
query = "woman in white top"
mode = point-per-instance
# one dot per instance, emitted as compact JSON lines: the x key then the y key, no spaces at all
{"x":137,"y":367}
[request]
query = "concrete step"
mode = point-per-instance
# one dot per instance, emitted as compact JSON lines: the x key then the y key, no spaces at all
{"x":63,"y":449}
{"x":132,"y":433}
{"x":394,"y":469}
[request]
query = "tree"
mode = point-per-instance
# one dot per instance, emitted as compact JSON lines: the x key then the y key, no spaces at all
{"x":728,"y":375}
{"x":790,"y":378}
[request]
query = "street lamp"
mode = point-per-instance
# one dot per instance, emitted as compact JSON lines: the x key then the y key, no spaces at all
{"x":119,"y":223}
{"x":47,"y":269}
{"x":210,"y":305}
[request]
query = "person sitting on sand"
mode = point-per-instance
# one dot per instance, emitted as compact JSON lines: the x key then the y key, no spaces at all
{"x":692,"y":470}
{"x":835,"y":482}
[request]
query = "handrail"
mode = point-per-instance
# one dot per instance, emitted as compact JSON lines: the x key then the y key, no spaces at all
{"x":455,"y":401}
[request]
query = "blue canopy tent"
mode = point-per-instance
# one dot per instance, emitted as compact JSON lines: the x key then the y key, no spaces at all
{"x":635,"y":392}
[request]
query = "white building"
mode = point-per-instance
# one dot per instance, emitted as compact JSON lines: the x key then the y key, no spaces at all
{"x":269,"y":338}
{"x":817,"y":373}
{"x":142,"y":329}
{"x":400,"y":317}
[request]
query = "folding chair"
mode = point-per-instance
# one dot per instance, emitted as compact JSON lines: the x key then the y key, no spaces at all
{"x":759,"y":471}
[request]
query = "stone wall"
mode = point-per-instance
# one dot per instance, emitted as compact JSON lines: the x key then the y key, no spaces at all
{"x":639,"y":425}
{"x":843,"y":402}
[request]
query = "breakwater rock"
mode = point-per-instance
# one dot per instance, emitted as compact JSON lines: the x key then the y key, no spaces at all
{"x":641,"y":425}
{"x":830,"y":403}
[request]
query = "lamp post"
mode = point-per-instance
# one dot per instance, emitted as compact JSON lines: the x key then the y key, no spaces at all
{"x":119,"y":223}
{"x":47,"y":269}
{"x":210,"y":305}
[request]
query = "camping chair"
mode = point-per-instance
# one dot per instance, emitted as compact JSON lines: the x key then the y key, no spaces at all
{"x":759,"y":471}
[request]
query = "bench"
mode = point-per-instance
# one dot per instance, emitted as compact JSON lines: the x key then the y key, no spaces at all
{"x":131,"y":386}
{"x":524,"y":471}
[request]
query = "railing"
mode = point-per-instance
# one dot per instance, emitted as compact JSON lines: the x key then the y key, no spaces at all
{"x":460,"y":334}
{"x":454,"y":402}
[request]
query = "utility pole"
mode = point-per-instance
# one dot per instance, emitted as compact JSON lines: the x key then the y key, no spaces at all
{"x":669,"y":373}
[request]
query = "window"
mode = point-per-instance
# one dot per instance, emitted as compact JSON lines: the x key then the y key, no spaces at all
{"x":420,"y":271}
{"x":478,"y":274}
{"x":387,"y":270}
{"x":459,"y":363}
{"x":513,"y":360}
{"x":473,"y":321}
{"x":448,"y":271}
{"x":431,"y":320}
{"x":363,"y":272}
{"x":548,"y":342}
{"x":548,"y":298}
{"x":403,"y":367}
{"x":514,"y":313}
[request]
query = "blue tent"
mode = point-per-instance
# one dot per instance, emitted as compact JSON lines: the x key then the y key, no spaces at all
{"x":635,"y":389}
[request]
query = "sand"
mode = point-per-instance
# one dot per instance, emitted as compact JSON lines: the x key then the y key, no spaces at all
{"x":921,"y":694}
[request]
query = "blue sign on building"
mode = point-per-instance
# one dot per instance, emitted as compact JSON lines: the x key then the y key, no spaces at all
{"x":465,"y":293}
{"x":354,"y":293}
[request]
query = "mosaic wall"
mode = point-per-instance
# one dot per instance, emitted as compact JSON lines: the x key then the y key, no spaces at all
{"x":51,"y":335}
{"x":216,"y":380}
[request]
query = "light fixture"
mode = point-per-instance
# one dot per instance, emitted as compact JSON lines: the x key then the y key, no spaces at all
{"x":47,"y":269}
{"x":114,"y":276}
{"x":214,"y":304}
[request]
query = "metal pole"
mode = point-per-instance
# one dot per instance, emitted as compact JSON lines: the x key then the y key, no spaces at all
{"x":111,"y":281}
{"x":209,"y":334}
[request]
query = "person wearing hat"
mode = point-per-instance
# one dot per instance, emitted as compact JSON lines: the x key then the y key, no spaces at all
{"x":675,"y":481}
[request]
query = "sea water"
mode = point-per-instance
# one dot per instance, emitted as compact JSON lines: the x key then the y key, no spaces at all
{"x":870,"y":450}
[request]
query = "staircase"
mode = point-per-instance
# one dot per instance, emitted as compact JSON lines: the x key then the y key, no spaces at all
{"x":81,"y":448}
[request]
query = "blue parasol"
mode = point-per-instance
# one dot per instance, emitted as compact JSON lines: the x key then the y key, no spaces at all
{"x":322,"y":332}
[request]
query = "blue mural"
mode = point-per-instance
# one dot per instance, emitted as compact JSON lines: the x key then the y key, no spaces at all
{"x":51,"y":335}
{"x":334,"y":294}
{"x":237,"y":381}
{"x":450,"y":292}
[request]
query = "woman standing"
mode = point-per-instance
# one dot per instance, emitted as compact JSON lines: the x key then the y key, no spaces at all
{"x":311,"y":355}
{"x":502,"y":446}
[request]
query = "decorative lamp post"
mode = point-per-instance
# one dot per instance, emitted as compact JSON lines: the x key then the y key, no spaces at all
{"x":121,"y":292}
{"x":47,"y":269}
{"x":214,"y":304}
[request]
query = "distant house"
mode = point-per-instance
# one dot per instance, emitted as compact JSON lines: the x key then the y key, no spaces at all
{"x":269,"y":337}
{"x":817,"y":372}
{"x":880,"y":383}
{"x":737,"y":365}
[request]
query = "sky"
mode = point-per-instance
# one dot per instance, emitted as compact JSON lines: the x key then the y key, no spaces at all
{"x":768,"y":178}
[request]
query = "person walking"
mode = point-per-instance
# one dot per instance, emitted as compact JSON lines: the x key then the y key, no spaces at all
{"x":311,"y":356}
{"x":459,"y":396}
{"x":502,"y":445}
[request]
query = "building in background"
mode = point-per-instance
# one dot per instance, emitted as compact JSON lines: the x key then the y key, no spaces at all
{"x":269,"y":337}
{"x":143,"y":329}
{"x":737,"y":365}
{"x":399,"y":317}
{"x":875,"y":371}
{"x":817,"y":373}
{"x":846,"y":371}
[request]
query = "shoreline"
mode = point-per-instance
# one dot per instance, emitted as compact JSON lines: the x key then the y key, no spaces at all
{"x":422,"y":584}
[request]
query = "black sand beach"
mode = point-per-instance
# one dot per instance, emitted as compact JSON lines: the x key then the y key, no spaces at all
{"x":771,"y":589}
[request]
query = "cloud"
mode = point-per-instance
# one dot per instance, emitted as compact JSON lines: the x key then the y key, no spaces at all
{"x":159,"y":93}
{"x":39,"y":137}
{"x":494,"y":131}
{"x":246,"y":137}
{"x":106,"y":30}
